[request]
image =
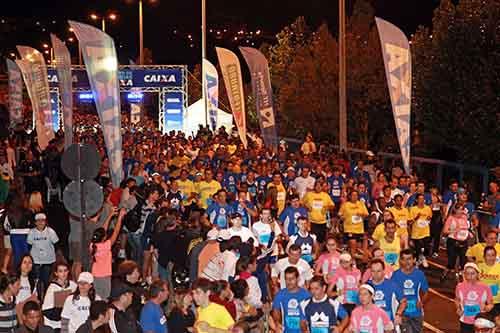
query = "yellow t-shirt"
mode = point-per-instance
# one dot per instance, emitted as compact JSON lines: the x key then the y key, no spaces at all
{"x":206,"y":190}
{"x":391,"y":251}
{"x":420,"y":227}
{"x":216,"y":316}
{"x":353,"y":214}
{"x":379,"y":232}
{"x":401,"y":216}
{"x":318,"y":205}
{"x":477,"y":251}
{"x":186,"y":187}
{"x":491,"y":276}
{"x":280,"y":197}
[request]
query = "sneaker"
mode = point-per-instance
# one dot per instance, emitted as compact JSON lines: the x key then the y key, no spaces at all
{"x":435,"y":255}
{"x":122,"y":254}
{"x":425,"y":264}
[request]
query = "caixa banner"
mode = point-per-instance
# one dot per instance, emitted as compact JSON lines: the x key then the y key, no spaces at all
{"x":128,"y":77}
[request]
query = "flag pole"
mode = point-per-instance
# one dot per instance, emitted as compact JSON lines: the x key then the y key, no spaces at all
{"x":204,"y":54}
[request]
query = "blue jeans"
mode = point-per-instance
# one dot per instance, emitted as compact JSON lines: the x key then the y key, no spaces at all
{"x":135,"y":242}
{"x":42,"y":273}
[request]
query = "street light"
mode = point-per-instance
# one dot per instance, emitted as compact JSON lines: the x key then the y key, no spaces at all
{"x":141,"y":29}
{"x":111,"y":17}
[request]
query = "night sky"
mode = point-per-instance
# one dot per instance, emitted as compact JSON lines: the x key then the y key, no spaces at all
{"x":168,"y":23}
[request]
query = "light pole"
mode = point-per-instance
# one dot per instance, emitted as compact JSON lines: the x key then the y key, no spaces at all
{"x":342,"y":79}
{"x":204,"y":55}
{"x":141,"y":27}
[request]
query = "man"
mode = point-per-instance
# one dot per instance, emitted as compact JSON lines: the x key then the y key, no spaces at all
{"x":153,"y":318}
{"x":450,"y":196}
{"x":136,"y":238}
{"x":207,"y":188}
{"x":31,"y":169}
{"x":401,"y":216}
{"x":245,"y":208}
{"x":415,"y":289}
{"x":420,"y":190}
{"x":336,"y":182}
{"x":237,"y":229}
{"x":120,"y":320}
{"x":286,"y":310}
{"x":202,"y":253}
{"x":290,"y":215}
{"x":305,"y":182}
{"x":389,"y":242}
{"x":186,"y":187}
{"x":394,"y":186}
{"x":211,"y":317}
{"x":231,"y":179}
{"x":98,"y":316}
{"x":281,"y":191}
{"x":293,"y":260}
{"x":219,"y":211}
{"x":387,"y":295}
{"x":319,"y":204}
{"x":32,"y":319}
{"x":322,"y":314}
{"x":420,"y":219}
{"x":476,"y":252}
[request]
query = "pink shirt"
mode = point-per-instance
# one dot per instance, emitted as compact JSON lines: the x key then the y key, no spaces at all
{"x":371,"y":320}
{"x":328,"y":263}
{"x":458,"y":227}
{"x":473,"y":297}
{"x":347,"y":283}
{"x":101,"y":267}
{"x":367,"y":275}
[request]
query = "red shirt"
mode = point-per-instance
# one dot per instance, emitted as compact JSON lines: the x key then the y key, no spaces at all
{"x":229,"y":305}
{"x":115,"y":196}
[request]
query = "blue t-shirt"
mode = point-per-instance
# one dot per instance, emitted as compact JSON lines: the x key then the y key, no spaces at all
{"x":323,"y":314}
{"x":252,"y":190}
{"x":262,"y":182}
{"x":238,"y":208}
{"x":413,"y":198}
{"x":336,"y":184}
{"x":289,"y":218}
{"x":450,"y":196}
{"x":153,"y":319}
{"x":289,"y":305}
{"x":306,"y":244}
{"x":218,"y":214}
{"x":411,"y":285}
{"x":387,"y":296}
{"x":230,"y":181}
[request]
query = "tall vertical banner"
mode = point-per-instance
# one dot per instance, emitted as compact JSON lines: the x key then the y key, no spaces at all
{"x":15,"y":94}
{"x":63,"y":66}
{"x":263,"y":94}
{"x":231,"y":72}
{"x":40,"y":94}
{"x":397,"y":61}
{"x":99,"y":54}
{"x":211,"y":92}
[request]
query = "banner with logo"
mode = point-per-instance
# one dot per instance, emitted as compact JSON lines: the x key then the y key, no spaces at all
{"x":40,"y":94}
{"x":397,"y":60}
{"x":99,"y":54}
{"x":263,"y":94}
{"x":211,"y":92}
{"x":63,"y":66}
{"x":231,"y":72}
{"x":15,"y":94}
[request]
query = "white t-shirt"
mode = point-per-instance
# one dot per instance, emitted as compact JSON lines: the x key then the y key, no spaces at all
{"x":302,"y":184}
{"x":262,"y":232}
{"x":48,"y":301}
{"x":229,"y":259}
{"x":42,"y":245}
{"x":245,"y":234}
{"x":305,"y":271}
{"x":76,"y":311}
{"x":24,"y":290}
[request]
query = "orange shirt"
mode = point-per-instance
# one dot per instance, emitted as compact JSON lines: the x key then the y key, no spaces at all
{"x":206,"y":254}
{"x":103,"y":259}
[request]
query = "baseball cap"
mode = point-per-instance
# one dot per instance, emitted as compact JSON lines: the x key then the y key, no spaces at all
{"x":213,"y":234}
{"x":471,"y":265}
{"x":290,"y":169}
{"x":235,"y":215}
{"x":155,"y":174}
{"x":40,"y":216}
{"x":86,"y":277}
{"x":119,"y":289}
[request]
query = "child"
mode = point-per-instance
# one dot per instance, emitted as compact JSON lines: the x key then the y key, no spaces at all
{"x":100,"y":249}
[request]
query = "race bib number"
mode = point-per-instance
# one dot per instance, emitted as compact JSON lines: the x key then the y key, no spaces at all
{"x":422,"y":223}
{"x":494,"y":289}
{"x":307,"y":257}
{"x":355,"y":219}
{"x":462,"y":235}
{"x":411,"y":306}
{"x":319,"y":329}
{"x":351,"y":297}
{"x":292,"y":323}
{"x":471,"y":310}
{"x":336,"y":192}
{"x":391,"y":257}
{"x":403,"y":223}
{"x":264,"y":239}
{"x":317,"y":204}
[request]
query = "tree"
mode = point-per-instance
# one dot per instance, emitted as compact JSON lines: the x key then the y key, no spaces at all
{"x":456,"y":81}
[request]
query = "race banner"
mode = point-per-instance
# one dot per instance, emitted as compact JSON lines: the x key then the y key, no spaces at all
{"x":15,"y":94}
{"x":40,"y":94}
{"x":211,"y":92}
{"x":397,"y":60}
{"x":99,"y":54}
{"x":231,"y":72}
{"x":63,"y":66}
{"x":263,"y":94}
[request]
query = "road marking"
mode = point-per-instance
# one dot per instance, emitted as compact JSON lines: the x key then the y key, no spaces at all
{"x":435,"y":292}
{"x":432,"y":328}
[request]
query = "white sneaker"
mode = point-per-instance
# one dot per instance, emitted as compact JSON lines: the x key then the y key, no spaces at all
{"x":425,"y":264}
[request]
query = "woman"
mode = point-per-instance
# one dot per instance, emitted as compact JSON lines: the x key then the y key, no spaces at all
{"x":367,"y":316}
{"x":490,"y":275}
{"x":9,"y":288}
{"x":59,"y":288}
{"x":346,"y":279}
{"x":129,"y":274}
{"x":245,"y":267}
{"x":471,"y":298}
{"x":27,"y":285}
{"x":456,"y":228}
{"x":436,"y":220}
{"x":328,"y":262}
{"x":76,"y":307}
{"x":244,"y":311}
{"x":378,"y":185}
{"x":182,"y":318}
{"x":222,"y":295}
{"x":102,"y":256}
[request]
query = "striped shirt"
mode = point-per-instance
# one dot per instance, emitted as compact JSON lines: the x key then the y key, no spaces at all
{"x":8,"y":319}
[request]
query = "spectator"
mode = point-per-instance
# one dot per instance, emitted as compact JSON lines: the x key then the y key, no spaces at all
{"x":32,"y":319}
{"x":122,"y":321}
{"x":99,"y":315}
{"x":153,"y":318}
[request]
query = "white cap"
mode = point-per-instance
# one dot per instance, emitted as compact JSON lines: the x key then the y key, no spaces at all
{"x":86,"y":277}
{"x":213,"y":234}
{"x":224,"y":234}
{"x":345,"y":257}
{"x":370,"y":153}
{"x":472,"y":265}
{"x":367,"y":287}
{"x":40,"y":216}
{"x":483,"y":323}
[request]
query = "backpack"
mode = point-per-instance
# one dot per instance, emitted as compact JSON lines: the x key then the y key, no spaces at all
{"x":132,"y":220}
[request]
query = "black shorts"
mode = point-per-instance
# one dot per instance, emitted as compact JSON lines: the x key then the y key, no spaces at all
{"x":357,"y":237}
{"x":319,"y":230}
